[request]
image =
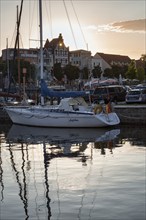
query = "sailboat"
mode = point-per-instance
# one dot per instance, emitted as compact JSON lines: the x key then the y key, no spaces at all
{"x":72,"y":111}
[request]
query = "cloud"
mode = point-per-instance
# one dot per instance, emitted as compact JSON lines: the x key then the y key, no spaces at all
{"x":133,"y":25}
{"x":138,"y":26}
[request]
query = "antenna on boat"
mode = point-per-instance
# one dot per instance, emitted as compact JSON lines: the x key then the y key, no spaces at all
{"x":41,"y":45}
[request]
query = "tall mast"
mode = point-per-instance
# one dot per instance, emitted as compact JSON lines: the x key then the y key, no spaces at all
{"x":16,"y":44}
{"x":41,"y":45}
{"x":18,"y":51}
{"x":8,"y":70}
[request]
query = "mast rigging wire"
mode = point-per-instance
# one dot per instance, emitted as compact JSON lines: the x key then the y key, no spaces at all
{"x":0,"y":26}
{"x":78,"y":23}
{"x":31,"y":17}
{"x":49,"y":15}
{"x":70,"y":23}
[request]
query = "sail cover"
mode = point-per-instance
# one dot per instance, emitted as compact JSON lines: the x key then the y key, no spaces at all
{"x":45,"y":91}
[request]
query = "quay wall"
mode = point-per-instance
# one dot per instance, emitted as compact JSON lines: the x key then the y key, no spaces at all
{"x":131,"y":114}
{"x":3,"y":116}
{"x":128,"y":114}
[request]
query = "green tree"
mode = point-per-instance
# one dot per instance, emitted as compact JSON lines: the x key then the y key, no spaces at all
{"x":30,"y":70}
{"x":97,"y":71}
{"x":140,"y":74}
{"x":132,"y":71}
{"x":119,"y":70}
{"x":116,"y":71}
{"x":72,"y":72}
{"x":143,"y":60}
{"x":108,"y":73}
{"x":58,"y":71}
{"x":85,"y":73}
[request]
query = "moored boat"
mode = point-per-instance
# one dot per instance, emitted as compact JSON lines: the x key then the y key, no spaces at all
{"x":71,"y":112}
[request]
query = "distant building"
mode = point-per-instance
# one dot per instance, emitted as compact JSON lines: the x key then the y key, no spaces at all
{"x":108,"y":60}
{"x":30,"y":55}
{"x":55,"y":51}
{"x":96,"y":62}
{"x":80,"y":58}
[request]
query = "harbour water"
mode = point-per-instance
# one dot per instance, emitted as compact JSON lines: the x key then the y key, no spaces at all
{"x":72,"y":174}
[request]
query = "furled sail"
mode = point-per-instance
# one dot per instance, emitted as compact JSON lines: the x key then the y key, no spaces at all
{"x":45,"y":91}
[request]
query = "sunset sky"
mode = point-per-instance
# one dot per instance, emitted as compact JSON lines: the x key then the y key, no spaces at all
{"x":114,"y":27}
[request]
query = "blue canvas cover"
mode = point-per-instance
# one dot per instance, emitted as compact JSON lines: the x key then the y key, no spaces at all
{"x":45,"y":91}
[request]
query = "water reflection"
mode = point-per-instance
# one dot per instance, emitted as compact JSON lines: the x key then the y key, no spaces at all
{"x":18,"y":175}
{"x":64,"y":142}
{"x":46,"y":181}
{"x":30,"y":152}
{"x":18,"y":133}
{"x":56,"y":143}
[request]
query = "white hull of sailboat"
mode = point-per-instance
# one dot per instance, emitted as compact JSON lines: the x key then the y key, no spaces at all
{"x":53,"y":118}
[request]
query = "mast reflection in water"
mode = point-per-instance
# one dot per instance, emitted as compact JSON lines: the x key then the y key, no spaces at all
{"x":72,"y":174}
